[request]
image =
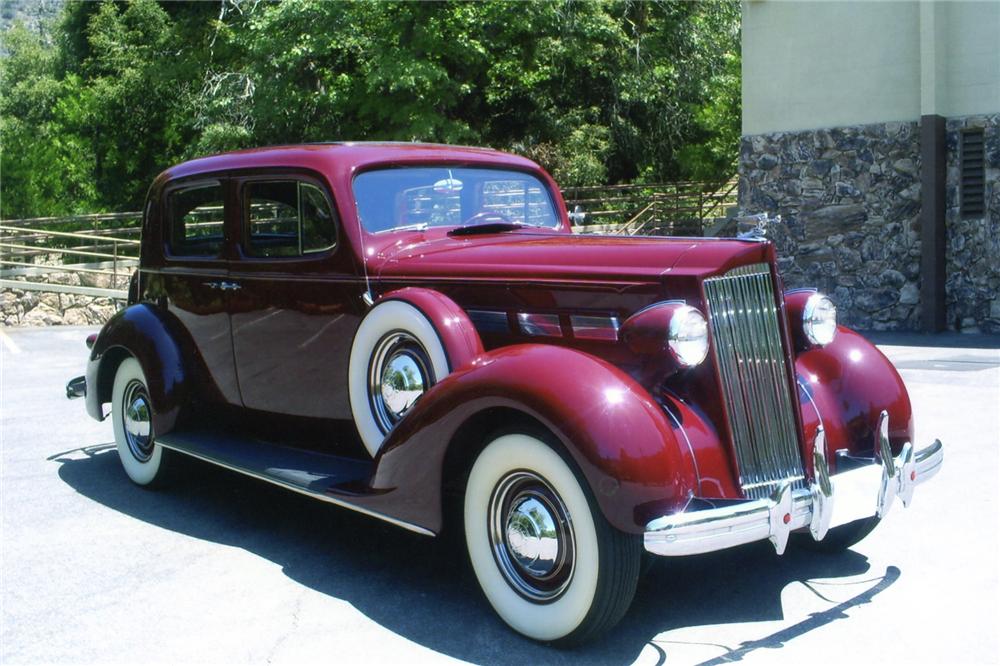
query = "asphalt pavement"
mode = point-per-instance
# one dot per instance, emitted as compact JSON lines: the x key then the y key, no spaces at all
{"x":225,"y":569}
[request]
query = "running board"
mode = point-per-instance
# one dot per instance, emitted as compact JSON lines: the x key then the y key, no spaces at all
{"x":313,"y":474}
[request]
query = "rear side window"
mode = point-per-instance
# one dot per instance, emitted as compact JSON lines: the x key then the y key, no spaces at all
{"x":196,"y":221}
{"x":288,"y":219}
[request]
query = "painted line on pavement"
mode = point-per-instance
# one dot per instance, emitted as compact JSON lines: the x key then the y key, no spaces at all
{"x":9,"y":343}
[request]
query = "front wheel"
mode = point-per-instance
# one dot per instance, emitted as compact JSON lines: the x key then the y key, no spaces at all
{"x":547,"y":560}
{"x":131,"y":416}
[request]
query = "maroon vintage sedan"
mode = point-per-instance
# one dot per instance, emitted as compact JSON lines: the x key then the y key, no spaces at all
{"x":405,"y":329}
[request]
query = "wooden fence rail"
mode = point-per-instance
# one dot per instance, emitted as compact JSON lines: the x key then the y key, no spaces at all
{"x":680,"y":208}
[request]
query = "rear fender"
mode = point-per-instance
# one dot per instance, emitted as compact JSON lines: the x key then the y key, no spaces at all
{"x":845,"y":386}
{"x":614,"y":431}
{"x":143,"y":332}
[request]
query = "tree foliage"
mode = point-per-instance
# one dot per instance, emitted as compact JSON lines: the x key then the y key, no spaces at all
{"x":597,"y":92}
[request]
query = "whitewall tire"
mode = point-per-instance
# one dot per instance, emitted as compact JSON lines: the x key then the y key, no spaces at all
{"x":547,"y":560}
{"x":131,"y":418}
{"x":395,"y":357}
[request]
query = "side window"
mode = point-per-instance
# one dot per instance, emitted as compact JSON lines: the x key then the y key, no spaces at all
{"x":196,"y":217}
{"x":288,"y":219}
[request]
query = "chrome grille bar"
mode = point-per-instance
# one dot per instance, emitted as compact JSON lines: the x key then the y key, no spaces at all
{"x":743,"y":317}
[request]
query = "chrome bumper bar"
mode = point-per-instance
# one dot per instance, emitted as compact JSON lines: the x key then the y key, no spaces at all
{"x":868,"y":489}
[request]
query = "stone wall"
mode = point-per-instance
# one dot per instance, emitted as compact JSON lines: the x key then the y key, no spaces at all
{"x":973,"y":284}
{"x":19,"y":307}
{"x":849,"y":199}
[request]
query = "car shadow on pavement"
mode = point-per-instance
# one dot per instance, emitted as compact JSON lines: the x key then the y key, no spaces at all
{"x":423,"y":589}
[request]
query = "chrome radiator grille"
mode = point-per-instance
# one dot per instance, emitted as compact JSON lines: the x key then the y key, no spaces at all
{"x":753,"y":368}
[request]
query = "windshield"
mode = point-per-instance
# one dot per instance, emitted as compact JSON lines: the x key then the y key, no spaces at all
{"x":417,"y":197}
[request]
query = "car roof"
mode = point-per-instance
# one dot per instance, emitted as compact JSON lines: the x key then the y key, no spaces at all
{"x":333,"y":157}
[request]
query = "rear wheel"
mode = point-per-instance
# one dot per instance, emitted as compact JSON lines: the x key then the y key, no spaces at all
{"x":547,"y":560}
{"x":131,"y":418}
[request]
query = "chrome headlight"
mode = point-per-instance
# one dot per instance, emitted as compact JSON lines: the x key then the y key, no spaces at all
{"x":819,"y":320}
{"x":688,"y":336}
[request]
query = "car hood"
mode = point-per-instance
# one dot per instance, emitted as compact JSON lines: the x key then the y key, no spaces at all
{"x":535,"y":255}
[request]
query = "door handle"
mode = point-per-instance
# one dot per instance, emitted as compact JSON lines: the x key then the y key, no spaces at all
{"x":224,"y":286}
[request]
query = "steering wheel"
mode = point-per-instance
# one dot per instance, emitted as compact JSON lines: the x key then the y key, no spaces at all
{"x":486,"y":216}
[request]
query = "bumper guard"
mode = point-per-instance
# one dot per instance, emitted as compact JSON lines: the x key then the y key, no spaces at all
{"x":865,"y":487}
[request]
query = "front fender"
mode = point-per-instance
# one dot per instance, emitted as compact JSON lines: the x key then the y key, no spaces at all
{"x":617,"y":434}
{"x":140,"y":331}
{"x":844,"y":386}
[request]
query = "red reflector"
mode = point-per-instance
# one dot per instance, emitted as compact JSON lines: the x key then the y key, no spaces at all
{"x":787,"y":518}
{"x":91,"y":339}
{"x":913,"y":475}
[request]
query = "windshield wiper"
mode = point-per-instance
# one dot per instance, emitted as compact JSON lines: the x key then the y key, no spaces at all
{"x":488,"y":228}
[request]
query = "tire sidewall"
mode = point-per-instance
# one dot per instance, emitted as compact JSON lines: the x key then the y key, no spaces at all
{"x":142,"y":473}
{"x":383,"y":319}
{"x":540,"y":621}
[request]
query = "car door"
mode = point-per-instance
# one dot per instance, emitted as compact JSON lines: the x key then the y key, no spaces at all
{"x":193,"y":276}
{"x":297,"y":308}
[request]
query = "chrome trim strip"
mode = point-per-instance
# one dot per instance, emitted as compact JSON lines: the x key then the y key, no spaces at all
{"x":743,"y":317}
{"x":302,"y":491}
{"x":489,"y":321}
{"x":589,"y":327}
{"x":836,"y":500}
{"x":694,"y":459}
{"x":812,"y":401}
{"x":535,"y":324}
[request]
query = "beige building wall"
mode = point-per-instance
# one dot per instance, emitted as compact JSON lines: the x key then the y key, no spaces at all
{"x":810,"y":65}
{"x":971,"y":58}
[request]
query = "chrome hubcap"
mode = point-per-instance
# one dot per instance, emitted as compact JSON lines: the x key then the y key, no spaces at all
{"x":531,"y":536}
{"x":399,"y":374}
{"x":137,"y":421}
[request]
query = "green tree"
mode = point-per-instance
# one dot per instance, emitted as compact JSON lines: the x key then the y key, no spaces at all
{"x":44,"y":167}
{"x":607,"y":91}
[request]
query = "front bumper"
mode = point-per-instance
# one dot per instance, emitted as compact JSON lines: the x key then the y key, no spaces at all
{"x":864,"y":488}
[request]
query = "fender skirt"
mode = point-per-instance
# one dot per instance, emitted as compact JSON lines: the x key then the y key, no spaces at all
{"x":142,"y":332}
{"x":618,"y":436}
{"x":845,"y":386}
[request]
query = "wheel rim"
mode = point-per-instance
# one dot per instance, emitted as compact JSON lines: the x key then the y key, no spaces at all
{"x":400,"y":372}
{"x":137,"y":421}
{"x":531,"y":536}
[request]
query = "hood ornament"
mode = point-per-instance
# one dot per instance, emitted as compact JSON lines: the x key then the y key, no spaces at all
{"x":754,"y":227}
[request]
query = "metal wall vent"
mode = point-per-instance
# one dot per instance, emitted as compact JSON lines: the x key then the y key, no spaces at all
{"x":972,"y":184}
